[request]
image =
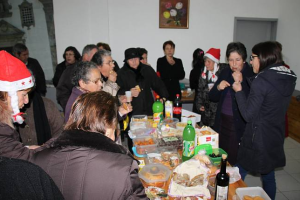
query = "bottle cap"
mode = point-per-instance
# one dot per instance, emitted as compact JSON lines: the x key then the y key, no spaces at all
{"x":224,"y":156}
{"x":189,"y":122}
{"x":157,"y":96}
{"x":177,"y":95}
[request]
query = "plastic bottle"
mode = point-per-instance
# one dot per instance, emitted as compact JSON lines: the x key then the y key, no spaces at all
{"x":168,"y":109}
{"x":177,"y":109}
{"x":188,"y":141}
{"x":157,"y":109}
{"x":222,"y":181}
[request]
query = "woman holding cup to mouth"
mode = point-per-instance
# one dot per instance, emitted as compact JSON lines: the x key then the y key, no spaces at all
{"x":228,"y":122}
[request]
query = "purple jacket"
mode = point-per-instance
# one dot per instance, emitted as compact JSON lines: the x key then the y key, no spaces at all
{"x":75,"y":93}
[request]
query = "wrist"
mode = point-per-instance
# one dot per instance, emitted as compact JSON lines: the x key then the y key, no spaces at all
{"x":218,"y":87}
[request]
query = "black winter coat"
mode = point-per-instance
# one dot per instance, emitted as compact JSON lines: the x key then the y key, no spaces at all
{"x":60,"y":68}
{"x":170,"y":75}
{"x":261,"y":149}
{"x":194,"y":81}
{"x":147,"y":79}
{"x":219,"y":96}
{"x":39,"y":75}
{"x":87,"y":165}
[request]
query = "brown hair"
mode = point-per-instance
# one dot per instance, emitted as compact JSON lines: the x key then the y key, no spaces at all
{"x":93,"y":112}
{"x":170,"y":42}
{"x":5,"y":116}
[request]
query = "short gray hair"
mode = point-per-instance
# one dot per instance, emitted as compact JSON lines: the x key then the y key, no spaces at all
{"x":81,"y":71}
{"x":88,"y":48}
{"x":99,"y":55}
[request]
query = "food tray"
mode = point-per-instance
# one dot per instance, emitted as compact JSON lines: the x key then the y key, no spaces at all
{"x":216,"y":161}
{"x":251,"y":191}
{"x":145,"y":144}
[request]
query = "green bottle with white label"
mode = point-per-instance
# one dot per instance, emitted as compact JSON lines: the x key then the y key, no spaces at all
{"x":188,"y":141}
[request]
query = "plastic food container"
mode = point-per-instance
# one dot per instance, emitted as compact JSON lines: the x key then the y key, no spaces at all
{"x":171,"y":122}
{"x":217,"y":151}
{"x":145,"y":144}
{"x":251,"y":191}
{"x":156,"y":175}
{"x":139,"y":125}
{"x":168,"y":157}
{"x":140,"y":132}
{"x":139,"y":118}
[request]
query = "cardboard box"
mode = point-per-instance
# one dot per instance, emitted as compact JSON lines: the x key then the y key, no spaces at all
{"x":203,"y":137}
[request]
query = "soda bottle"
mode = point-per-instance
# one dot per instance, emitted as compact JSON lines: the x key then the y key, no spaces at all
{"x":222,"y":181}
{"x":188,"y":141}
{"x":157,"y":109}
{"x":177,"y":108}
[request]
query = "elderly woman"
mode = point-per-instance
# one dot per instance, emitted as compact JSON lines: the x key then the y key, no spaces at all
{"x":84,"y":161}
{"x":228,"y":122}
{"x":15,"y":83}
{"x":209,"y":75}
{"x":71,"y":55}
{"x":261,"y":149}
{"x":171,"y":70}
{"x":105,"y":64}
{"x":105,"y":46}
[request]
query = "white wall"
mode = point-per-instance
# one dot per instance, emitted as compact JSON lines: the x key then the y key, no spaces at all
{"x":134,"y":23}
{"x":37,"y":40}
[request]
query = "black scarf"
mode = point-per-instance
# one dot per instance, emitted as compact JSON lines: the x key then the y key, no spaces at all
{"x":138,"y":76}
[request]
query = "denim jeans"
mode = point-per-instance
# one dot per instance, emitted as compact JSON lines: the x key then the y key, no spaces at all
{"x":268,"y":181}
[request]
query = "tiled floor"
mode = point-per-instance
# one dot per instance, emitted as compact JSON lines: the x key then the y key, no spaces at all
{"x":288,"y":177}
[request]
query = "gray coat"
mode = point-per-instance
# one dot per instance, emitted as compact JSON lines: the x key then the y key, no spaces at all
{"x":87,"y":165}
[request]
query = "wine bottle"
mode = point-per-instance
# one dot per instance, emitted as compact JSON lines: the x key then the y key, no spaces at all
{"x":222,"y":181}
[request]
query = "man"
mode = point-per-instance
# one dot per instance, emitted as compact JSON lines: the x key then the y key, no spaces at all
{"x":21,"y":52}
{"x":139,"y":79}
{"x":64,"y":87}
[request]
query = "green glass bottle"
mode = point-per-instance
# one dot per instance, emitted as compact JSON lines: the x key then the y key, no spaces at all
{"x":188,"y":141}
{"x":157,"y":109}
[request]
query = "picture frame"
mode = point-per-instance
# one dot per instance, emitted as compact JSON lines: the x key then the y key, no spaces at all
{"x":174,"y":14}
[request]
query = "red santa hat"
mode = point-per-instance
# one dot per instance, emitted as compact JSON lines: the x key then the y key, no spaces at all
{"x":14,"y":76}
{"x":213,"y":54}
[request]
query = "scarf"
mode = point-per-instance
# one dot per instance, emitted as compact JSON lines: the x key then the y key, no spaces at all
{"x":211,"y":75}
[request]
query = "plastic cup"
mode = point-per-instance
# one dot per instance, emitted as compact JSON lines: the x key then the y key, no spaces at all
{"x":128,"y":96}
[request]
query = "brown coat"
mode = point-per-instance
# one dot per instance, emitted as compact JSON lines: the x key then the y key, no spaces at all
{"x":87,"y":165}
{"x":55,"y":119}
{"x":11,"y":147}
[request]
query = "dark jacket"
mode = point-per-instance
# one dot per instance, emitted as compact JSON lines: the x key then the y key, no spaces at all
{"x":208,"y":116}
{"x":170,"y":75}
{"x":11,"y":147}
{"x":23,"y":180}
{"x":194,"y":81}
{"x":147,"y":79}
{"x":219,"y":96}
{"x":39,"y":75}
{"x":65,"y":86}
{"x":75,"y":93}
{"x":261,"y":149}
{"x":60,"y":68}
{"x":87,"y":165}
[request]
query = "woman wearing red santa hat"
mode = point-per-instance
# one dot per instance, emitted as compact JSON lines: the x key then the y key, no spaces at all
{"x":15,"y":83}
{"x":209,"y":75}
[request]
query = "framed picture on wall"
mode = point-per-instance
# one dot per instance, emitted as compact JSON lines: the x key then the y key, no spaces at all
{"x":174,"y":14}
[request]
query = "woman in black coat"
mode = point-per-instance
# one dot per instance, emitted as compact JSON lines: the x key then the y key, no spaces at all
{"x":228,"y":122}
{"x":198,"y":65}
{"x":171,"y":70}
{"x":261,"y":149}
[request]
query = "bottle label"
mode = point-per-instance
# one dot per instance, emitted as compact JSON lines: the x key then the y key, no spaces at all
{"x":222,"y":193}
{"x":158,"y":117}
{"x":177,"y":110}
{"x":188,"y":148}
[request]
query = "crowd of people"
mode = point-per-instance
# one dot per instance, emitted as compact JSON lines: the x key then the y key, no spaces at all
{"x":245,"y":103}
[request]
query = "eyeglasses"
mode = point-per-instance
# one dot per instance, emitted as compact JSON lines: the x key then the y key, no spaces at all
{"x":96,"y":81}
{"x":110,"y":62}
{"x":252,"y":57}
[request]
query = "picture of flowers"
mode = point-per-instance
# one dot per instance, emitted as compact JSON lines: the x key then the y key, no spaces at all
{"x":173,"y":13}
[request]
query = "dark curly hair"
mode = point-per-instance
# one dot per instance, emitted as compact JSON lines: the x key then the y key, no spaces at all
{"x":75,"y":51}
{"x":81,"y":72}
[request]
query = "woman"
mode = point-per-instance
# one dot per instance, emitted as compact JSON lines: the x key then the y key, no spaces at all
{"x":171,"y":70}
{"x":84,"y":161}
{"x":228,"y":122}
{"x":15,"y":83}
{"x":261,"y":149}
{"x":104,"y":46}
{"x":209,"y":75}
{"x":71,"y":55}
{"x":102,"y":58}
{"x":86,"y":78}
{"x":198,"y":65}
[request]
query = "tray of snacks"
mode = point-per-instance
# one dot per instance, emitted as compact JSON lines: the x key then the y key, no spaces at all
{"x":251,"y":193}
{"x":140,"y":132}
{"x":172,"y":141}
{"x":168,"y":157}
{"x":139,"y":118}
{"x":145,"y":144}
{"x":139,"y":125}
{"x":166,"y":131}
{"x":190,"y":179}
{"x":156,"y":175}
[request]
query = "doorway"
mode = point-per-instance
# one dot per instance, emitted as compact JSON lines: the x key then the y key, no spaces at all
{"x":251,"y":31}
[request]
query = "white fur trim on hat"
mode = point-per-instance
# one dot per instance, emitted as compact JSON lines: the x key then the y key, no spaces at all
{"x":16,"y":85}
{"x":211,"y":57}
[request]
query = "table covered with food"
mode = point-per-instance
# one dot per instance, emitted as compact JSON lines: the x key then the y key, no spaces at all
{"x":159,"y":146}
